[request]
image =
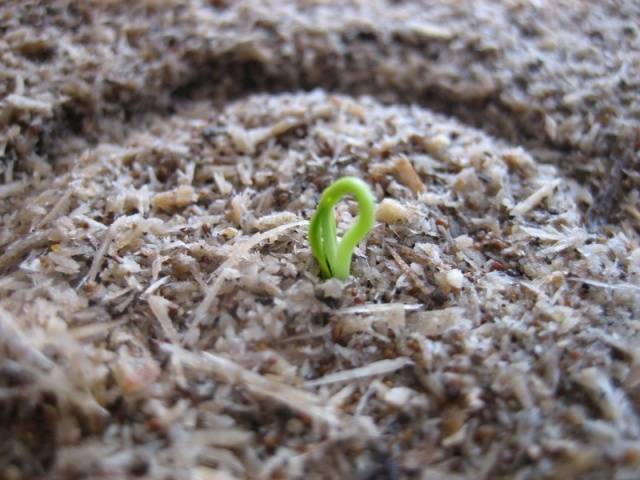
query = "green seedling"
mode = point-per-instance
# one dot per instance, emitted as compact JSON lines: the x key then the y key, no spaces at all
{"x":335,"y":257}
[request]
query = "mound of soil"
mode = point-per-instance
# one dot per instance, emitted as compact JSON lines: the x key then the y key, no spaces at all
{"x":161,"y":313}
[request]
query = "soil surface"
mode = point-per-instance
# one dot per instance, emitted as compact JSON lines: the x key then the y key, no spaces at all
{"x":162,"y":315}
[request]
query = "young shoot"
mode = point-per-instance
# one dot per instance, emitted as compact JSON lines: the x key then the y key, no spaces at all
{"x":335,"y":257}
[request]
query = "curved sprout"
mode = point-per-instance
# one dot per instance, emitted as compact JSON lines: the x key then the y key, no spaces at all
{"x":335,"y":258}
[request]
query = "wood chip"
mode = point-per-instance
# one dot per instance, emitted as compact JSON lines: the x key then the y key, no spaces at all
{"x":406,"y":174}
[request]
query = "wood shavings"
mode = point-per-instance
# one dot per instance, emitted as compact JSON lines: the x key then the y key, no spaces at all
{"x":246,"y":141}
{"x":160,"y":308}
{"x":22,"y":246}
{"x":406,"y":174}
{"x":429,"y":31}
{"x":228,"y":371}
{"x":14,"y":339}
{"x":519,"y":159}
{"x":238,"y":210}
{"x":225,"y":438}
{"x":64,"y":263}
{"x":611,"y":401}
{"x":409,"y":273}
{"x":10,"y":189}
{"x":362,"y":318}
{"x":455,"y":279}
{"x":274,"y":220}
{"x":88,"y":331}
{"x":392,"y":211}
{"x":178,"y":198}
{"x":566,"y":317}
{"x":535,"y":198}
{"x":205,"y":473}
{"x":437,"y":322}
{"x":135,"y":374}
{"x":564,"y":240}
{"x":398,"y":396}
{"x":381,"y":367}
{"x":29,"y":104}
{"x":57,"y":209}
{"x":455,"y":439}
{"x":235,"y":256}
{"x":224,"y":187}
{"x":502,"y":295}
{"x":108,"y":238}
{"x":612,"y":286}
